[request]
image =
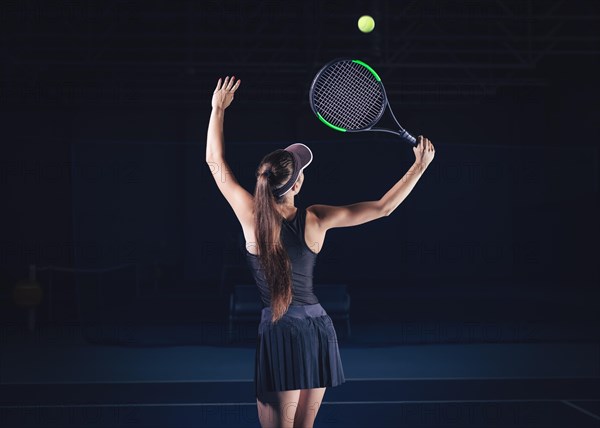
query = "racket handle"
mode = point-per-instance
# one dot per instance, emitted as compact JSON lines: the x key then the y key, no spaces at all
{"x":409,"y":138}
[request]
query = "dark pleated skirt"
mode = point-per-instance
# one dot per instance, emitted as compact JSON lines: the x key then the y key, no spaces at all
{"x":297,"y":352}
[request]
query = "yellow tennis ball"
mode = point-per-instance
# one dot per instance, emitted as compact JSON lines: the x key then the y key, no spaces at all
{"x":366,"y":23}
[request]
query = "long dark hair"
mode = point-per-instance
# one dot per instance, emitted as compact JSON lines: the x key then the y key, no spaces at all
{"x":273,"y":256}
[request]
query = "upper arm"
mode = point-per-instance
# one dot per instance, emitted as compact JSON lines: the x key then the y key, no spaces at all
{"x":240,"y":200}
{"x":330,"y":216}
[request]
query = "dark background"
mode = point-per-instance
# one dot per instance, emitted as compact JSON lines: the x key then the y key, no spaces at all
{"x":104,"y":111}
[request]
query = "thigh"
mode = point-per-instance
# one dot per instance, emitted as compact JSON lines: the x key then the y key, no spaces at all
{"x":308,"y":406}
{"x":278,"y":408}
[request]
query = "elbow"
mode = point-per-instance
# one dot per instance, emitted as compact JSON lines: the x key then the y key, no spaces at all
{"x":389,"y":209}
{"x":213,"y":165}
{"x":211,"y":160}
{"x":385,"y":210}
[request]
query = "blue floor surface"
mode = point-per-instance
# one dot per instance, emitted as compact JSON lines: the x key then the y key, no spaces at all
{"x":58,"y":379}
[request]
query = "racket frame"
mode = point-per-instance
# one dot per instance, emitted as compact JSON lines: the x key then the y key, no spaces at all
{"x":402,"y":132}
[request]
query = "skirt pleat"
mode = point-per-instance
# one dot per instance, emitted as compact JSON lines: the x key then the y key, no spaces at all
{"x":299,"y":351}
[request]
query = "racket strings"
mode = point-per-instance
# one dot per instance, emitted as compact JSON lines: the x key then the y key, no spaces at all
{"x":365,"y":84}
{"x":347,"y":95}
{"x":345,"y":83}
{"x":334,"y":95}
{"x":360,"y":112}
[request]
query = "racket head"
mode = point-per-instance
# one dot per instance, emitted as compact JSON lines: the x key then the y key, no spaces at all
{"x":347,"y":95}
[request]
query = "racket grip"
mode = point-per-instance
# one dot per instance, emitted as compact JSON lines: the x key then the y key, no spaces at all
{"x":409,"y":138}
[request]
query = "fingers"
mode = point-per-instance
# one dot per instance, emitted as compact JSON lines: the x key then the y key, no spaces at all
{"x":228,"y":84}
{"x":430,"y":147}
{"x":424,"y":145}
{"x":427,"y":145}
{"x":419,"y":144}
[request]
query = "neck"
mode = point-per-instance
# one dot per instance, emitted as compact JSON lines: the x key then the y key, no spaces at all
{"x":287,"y":204}
{"x":287,"y":210}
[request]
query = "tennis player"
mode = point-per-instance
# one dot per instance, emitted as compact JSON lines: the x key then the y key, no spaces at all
{"x":297,"y":355}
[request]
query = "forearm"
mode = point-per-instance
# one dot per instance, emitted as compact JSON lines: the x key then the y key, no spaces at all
{"x":215,"y":148}
{"x":402,"y":188}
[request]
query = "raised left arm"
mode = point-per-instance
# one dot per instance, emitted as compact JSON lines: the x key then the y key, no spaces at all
{"x":240,"y":200}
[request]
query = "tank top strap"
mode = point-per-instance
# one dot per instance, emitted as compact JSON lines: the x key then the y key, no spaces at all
{"x":300,"y":222}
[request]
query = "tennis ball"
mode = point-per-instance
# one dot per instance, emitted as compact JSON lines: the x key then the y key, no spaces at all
{"x":366,"y":23}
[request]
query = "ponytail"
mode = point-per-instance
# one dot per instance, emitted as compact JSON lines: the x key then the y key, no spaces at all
{"x":273,"y":256}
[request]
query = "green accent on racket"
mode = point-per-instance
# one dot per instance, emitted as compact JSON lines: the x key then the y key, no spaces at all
{"x":368,"y":68}
{"x":337,"y":128}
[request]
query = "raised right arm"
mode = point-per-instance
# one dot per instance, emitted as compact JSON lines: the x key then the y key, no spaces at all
{"x":330,"y":216}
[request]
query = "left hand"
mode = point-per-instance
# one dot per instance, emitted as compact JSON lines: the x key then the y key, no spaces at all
{"x":424,"y":151}
{"x":223,"y":94}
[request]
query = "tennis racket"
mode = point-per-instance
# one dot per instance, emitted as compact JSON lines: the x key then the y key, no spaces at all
{"x":347,"y":95}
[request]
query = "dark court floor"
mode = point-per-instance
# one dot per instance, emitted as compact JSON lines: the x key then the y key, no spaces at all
{"x":59,"y":377}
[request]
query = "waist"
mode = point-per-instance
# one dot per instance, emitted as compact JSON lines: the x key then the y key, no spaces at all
{"x":297,"y":311}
